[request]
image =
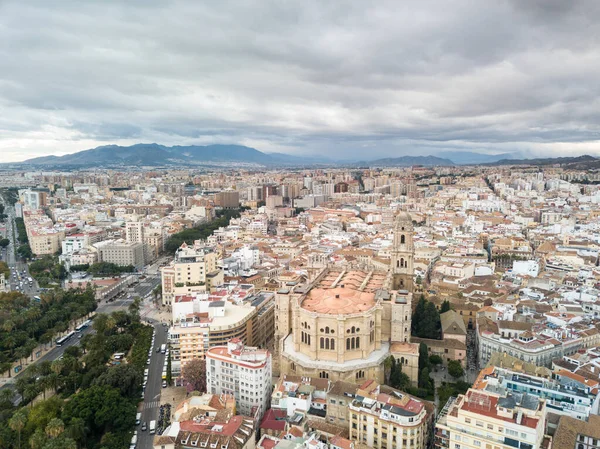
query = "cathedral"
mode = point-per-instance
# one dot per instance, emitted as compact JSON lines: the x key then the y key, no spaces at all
{"x":346,"y":321}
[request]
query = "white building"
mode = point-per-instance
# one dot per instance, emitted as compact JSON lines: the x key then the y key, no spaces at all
{"x":241,"y":371}
{"x":75,"y":242}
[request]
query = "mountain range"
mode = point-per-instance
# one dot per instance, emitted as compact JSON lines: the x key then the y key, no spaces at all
{"x":155,"y":155}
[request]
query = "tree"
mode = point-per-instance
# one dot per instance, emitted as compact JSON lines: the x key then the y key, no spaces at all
{"x":25,"y":251}
{"x":435,"y":359}
{"x":423,"y":356}
{"x":395,"y":372}
{"x":38,"y":439}
{"x":455,"y":369}
{"x":77,"y":430}
{"x":169,"y":372}
{"x":426,"y":320}
{"x":17,"y":422}
{"x":102,"y":408}
{"x":424,"y":378}
{"x":125,"y":378}
{"x":55,"y":427}
{"x":194,"y":374}
{"x":445,"y":306}
{"x":4,"y":268}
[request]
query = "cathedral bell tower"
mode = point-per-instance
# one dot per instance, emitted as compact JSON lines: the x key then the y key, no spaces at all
{"x":402,"y":259}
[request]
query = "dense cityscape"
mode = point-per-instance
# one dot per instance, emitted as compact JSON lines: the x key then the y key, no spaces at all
{"x":417,"y":307}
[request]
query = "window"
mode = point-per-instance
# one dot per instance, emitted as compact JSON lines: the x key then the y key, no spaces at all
{"x":479,"y":423}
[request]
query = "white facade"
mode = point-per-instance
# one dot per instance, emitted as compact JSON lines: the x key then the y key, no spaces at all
{"x":74,"y":243}
{"x":242,"y":371}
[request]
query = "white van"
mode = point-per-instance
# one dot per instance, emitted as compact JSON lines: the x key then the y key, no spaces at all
{"x":133,"y":443}
{"x":138,"y":419}
{"x":152,"y":427}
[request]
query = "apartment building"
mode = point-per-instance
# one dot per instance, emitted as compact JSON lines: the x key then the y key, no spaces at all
{"x":481,"y":419}
{"x":241,"y":371}
{"x":202,"y":322}
{"x":45,"y":240}
{"x":388,"y":419}
{"x":121,"y":253}
{"x":565,"y":393}
{"x":228,"y":199}
{"x":189,"y":272}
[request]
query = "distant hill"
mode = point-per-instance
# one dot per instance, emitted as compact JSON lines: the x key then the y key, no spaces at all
{"x":585,"y":161}
{"x":407,"y":161}
{"x":159,"y":155}
{"x":470,"y":158}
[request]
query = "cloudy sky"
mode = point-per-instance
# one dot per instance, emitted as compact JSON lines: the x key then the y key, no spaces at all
{"x":347,"y":79}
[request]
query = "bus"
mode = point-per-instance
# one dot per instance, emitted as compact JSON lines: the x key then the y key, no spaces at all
{"x":83,"y":325}
{"x":62,"y":340}
{"x":37,"y":299}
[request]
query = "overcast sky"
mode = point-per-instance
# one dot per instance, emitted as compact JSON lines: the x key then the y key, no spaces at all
{"x":355,"y":78}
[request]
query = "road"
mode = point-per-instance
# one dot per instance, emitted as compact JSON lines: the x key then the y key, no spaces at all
{"x":149,"y":408}
{"x":19,"y":279}
{"x":58,"y":351}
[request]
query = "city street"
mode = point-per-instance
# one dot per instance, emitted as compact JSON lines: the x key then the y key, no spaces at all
{"x":149,"y":407}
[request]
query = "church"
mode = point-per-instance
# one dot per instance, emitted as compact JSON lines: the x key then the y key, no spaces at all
{"x":347,"y":320}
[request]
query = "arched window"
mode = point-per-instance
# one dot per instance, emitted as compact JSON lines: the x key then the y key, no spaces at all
{"x":402,"y":262}
{"x":357,"y":342}
{"x":324,"y":375}
{"x":327,"y":330}
{"x":353,"y":329}
{"x":402,"y":239}
{"x":302,"y":337}
{"x":360,"y":374}
{"x":397,"y":264}
{"x":347,"y":343}
{"x":402,"y":360}
{"x":332,"y":344}
{"x":353,"y":343}
{"x":322,"y":344}
{"x":327,"y":343}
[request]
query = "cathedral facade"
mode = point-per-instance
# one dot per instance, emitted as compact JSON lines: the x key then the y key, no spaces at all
{"x":348,"y":320}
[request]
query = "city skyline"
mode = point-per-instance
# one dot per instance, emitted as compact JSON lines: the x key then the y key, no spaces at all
{"x":341,"y":80}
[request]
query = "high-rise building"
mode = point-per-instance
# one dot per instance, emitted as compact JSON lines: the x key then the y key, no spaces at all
{"x":241,"y":371}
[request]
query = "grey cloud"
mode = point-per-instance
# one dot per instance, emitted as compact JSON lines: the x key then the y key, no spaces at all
{"x":304,"y":77}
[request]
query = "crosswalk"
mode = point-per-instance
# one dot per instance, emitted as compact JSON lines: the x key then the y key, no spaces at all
{"x":151,"y":404}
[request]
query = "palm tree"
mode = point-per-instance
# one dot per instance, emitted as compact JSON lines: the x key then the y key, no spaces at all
{"x":31,"y":392}
{"x":6,"y":367}
{"x":8,"y":326}
{"x":7,"y":395}
{"x":57,"y":366}
{"x":77,"y":430}
{"x":21,"y":384}
{"x":37,"y":440}
{"x":42,"y":385}
{"x":52,"y":381}
{"x":55,"y":427}
{"x":17,"y":422}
